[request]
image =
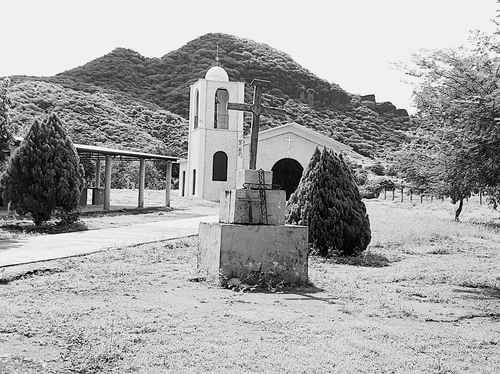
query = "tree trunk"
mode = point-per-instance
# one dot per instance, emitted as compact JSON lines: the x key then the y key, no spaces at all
{"x":459,"y":210}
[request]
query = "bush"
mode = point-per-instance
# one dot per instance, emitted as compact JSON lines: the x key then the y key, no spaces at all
{"x":373,"y":188}
{"x":44,"y":174}
{"x":360,"y":176}
{"x":377,"y":169}
{"x":327,"y":200}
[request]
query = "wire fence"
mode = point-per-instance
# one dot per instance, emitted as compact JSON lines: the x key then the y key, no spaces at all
{"x":402,"y":193}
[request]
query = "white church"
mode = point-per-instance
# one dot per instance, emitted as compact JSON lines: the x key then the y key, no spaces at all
{"x":217,"y":147}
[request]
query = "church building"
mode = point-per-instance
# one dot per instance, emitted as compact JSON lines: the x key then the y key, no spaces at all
{"x":217,"y":147}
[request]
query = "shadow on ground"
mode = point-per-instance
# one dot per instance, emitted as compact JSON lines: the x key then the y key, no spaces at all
{"x":4,"y":280}
{"x":479,"y":292}
{"x":46,"y":228}
{"x":367,"y":259}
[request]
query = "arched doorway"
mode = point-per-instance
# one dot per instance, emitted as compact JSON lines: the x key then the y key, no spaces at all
{"x":287,"y":173}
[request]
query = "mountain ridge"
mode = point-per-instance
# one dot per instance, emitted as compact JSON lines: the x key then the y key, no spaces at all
{"x":371,"y":128}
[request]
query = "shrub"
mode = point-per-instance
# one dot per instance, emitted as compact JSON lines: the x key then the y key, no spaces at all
{"x":44,"y":174}
{"x":374,"y":187}
{"x":377,"y":169}
{"x":328,"y":201}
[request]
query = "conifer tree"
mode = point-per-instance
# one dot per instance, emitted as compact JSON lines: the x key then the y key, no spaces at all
{"x":295,"y":203}
{"x":44,"y":174}
{"x":328,"y":202}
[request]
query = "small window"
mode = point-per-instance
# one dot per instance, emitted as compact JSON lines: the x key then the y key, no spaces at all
{"x":196,"y":108}
{"x":221,"y":119}
{"x":219,"y":167}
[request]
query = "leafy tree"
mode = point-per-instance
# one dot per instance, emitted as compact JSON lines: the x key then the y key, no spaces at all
{"x":458,"y":101}
{"x":44,"y":174}
{"x":327,"y":200}
{"x":6,"y":139}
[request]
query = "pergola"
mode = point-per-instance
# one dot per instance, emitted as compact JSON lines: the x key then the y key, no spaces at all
{"x":98,"y":154}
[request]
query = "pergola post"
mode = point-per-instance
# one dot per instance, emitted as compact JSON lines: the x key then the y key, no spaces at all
{"x":98,"y":173}
{"x":107,"y":182}
{"x":142,"y":178}
{"x":168,"y":183}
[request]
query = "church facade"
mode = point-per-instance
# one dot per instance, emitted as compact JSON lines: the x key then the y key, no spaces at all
{"x":217,"y":147}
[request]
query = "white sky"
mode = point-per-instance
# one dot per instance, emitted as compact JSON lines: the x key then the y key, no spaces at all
{"x":350,"y":42}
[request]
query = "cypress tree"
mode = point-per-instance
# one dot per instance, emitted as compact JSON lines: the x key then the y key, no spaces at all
{"x":44,"y":174}
{"x":327,"y":200}
{"x":296,"y":203}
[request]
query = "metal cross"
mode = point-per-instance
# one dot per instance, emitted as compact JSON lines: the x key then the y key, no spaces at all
{"x":256,"y":108}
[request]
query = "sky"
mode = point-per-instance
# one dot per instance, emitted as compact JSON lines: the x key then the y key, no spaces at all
{"x":353,"y":43}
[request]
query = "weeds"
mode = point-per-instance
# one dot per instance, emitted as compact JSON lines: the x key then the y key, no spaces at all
{"x":85,"y":355}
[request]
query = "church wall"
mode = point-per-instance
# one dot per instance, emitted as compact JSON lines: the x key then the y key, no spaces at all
{"x":219,"y":140}
{"x":288,"y":145}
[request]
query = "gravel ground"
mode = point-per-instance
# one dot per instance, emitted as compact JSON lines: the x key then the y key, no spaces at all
{"x":425,"y":298}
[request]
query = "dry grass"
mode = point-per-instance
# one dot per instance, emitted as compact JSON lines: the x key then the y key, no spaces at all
{"x":424,"y":299}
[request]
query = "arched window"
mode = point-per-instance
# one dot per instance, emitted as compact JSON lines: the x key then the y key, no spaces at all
{"x":219,"y":167}
{"x":221,"y":119}
{"x":196,"y":108}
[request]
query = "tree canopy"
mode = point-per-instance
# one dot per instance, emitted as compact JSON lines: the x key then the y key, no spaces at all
{"x":44,"y":173}
{"x":457,"y":146}
{"x":327,"y":200}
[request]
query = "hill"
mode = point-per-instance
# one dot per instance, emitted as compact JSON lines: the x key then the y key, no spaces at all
{"x":371,"y":128}
{"x":97,"y":117}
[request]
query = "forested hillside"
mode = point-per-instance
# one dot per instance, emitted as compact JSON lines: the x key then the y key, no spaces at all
{"x":370,"y":128}
{"x":98,"y":118}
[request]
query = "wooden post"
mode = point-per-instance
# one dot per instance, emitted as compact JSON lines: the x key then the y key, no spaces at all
{"x":385,"y":193}
{"x":411,"y":194}
{"x":98,"y":173}
{"x":168,"y":183}
{"x":107,"y":182}
{"x":393,"y":189}
{"x":142,"y":179}
{"x":432,"y":198}
{"x":254,"y":135}
{"x":402,"y":192}
{"x":421,"y":197}
{"x":480,"y":196}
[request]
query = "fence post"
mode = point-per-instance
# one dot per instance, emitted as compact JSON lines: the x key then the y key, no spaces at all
{"x":385,"y":193}
{"x":393,"y":189}
{"x":480,"y":196}
{"x":411,"y":194}
{"x":421,"y":197}
{"x":402,"y":192}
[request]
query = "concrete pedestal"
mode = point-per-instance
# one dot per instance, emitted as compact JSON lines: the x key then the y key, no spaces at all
{"x":248,"y":252}
{"x":243,"y":206}
{"x":249,"y":176}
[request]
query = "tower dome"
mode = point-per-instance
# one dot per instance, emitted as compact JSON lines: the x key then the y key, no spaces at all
{"x":217,"y":73}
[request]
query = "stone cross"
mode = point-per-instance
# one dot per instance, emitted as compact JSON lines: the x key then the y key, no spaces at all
{"x":256,"y":108}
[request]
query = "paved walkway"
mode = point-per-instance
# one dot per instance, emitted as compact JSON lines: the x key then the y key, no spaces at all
{"x":50,"y":247}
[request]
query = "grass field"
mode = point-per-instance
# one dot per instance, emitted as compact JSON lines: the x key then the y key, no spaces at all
{"x":425,"y":298}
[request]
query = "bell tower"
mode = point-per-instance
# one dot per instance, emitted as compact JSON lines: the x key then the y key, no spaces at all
{"x":215,"y":136}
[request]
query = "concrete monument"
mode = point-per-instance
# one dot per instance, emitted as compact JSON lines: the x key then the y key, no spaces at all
{"x":250,"y":242}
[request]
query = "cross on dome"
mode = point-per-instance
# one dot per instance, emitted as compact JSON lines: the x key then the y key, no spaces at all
{"x":217,"y":72}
